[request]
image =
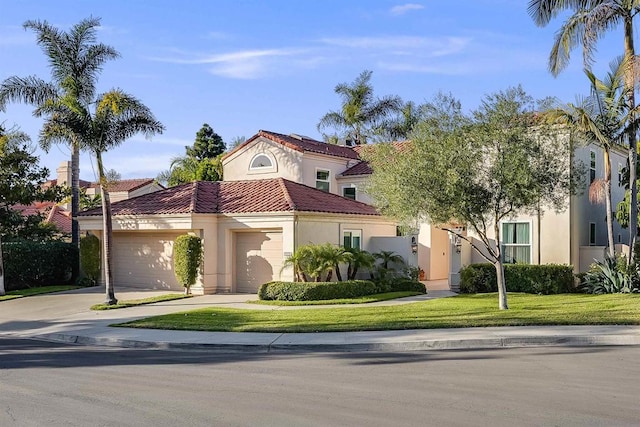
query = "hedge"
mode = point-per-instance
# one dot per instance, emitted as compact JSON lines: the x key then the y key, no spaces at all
{"x":313,"y":291}
{"x":90,"y":258}
{"x":187,"y":257}
{"x":31,"y":264}
{"x":528,"y":278}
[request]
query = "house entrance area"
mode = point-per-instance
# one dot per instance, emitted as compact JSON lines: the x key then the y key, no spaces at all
{"x":258,"y":257}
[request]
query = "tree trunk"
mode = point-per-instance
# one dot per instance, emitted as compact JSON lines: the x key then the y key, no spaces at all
{"x":607,"y":194}
{"x":350,"y":273}
{"x":329,"y":276}
{"x":2,"y":290}
{"x":75,"y":200}
{"x":502,"y":286}
{"x":107,"y":234}
{"x":629,"y":83}
{"x":338,"y":274}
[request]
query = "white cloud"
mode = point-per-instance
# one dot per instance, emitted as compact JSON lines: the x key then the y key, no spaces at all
{"x":402,"y":9}
{"x":434,"y":46}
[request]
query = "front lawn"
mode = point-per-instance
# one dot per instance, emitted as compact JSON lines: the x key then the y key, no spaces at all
{"x":142,"y":301}
{"x":37,"y":291}
{"x":367,"y":299}
{"x":455,"y":312}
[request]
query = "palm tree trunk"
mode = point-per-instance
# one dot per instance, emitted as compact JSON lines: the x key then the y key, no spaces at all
{"x":338,"y":274}
{"x":629,"y":83}
{"x":75,"y":201}
{"x":2,"y":290}
{"x":107,"y":234}
{"x":607,"y":194}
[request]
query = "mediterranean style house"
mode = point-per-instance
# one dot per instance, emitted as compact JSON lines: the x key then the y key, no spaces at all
{"x":283,"y":191}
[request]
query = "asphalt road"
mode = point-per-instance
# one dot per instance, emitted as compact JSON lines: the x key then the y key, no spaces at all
{"x":46,"y":384}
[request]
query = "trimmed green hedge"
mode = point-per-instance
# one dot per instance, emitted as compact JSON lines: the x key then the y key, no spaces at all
{"x":528,"y":278}
{"x":31,"y":264}
{"x":314,"y":291}
{"x":90,"y":258}
{"x":187,"y":257}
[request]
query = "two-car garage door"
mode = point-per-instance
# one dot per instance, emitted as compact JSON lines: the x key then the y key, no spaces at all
{"x":144,"y":260}
{"x":258,"y":259}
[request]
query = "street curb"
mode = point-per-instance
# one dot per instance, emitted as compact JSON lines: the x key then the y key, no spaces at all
{"x":397,"y":346}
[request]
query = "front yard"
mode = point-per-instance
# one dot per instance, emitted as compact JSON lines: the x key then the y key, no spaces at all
{"x":455,"y":312}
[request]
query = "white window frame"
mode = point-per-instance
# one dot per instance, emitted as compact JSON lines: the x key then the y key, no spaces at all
{"x":593,"y":166}
{"x":328,"y":180}
{"x":355,"y":189}
{"x":530,"y":244}
{"x":592,"y":242}
{"x":354,"y":233}
{"x":263,"y":169}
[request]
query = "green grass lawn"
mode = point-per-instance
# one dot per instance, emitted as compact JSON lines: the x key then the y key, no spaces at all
{"x":37,"y":291}
{"x":143,"y":301}
{"x":454,"y":312}
{"x":361,"y":300}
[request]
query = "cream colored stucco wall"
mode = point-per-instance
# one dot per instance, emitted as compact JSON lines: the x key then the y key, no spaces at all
{"x":359,"y":182}
{"x":335,"y":165}
{"x":322,"y":228}
{"x":288,"y":162}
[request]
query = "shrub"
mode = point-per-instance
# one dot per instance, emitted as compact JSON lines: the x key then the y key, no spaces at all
{"x":90,"y":258}
{"x":402,"y":284}
{"x":528,"y":278}
{"x":610,"y":276}
{"x":30,"y":264}
{"x":187,"y":257}
{"x":311,"y":291}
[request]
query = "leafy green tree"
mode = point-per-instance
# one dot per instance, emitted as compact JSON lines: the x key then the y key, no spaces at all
{"x":207,"y":145}
{"x":75,"y":61}
{"x":116,"y":117}
{"x":20,"y":183}
{"x":601,"y":118}
{"x":590,"y":21}
{"x":475,"y":170}
{"x":360,"y":115}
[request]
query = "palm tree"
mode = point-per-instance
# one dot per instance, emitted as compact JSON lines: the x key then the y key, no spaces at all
{"x":117,"y":117}
{"x":400,"y":126}
{"x":360,"y":113}
{"x":75,"y":60}
{"x":359,"y":259}
{"x":600,"y":118}
{"x":388,"y":257}
{"x":590,"y":21}
{"x":333,"y":256}
{"x":298,"y":260}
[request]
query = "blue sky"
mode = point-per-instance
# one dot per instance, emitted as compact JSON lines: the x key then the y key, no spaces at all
{"x":246,"y":65}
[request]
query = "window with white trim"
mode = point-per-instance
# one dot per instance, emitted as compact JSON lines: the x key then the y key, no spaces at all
{"x":352,"y":239}
{"x":322,"y":179}
{"x":261,"y":161}
{"x":592,"y":166}
{"x":349,"y":192}
{"x":516,"y":242}
{"x":592,"y":234}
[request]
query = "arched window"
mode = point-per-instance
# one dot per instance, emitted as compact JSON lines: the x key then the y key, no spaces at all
{"x":261,"y":161}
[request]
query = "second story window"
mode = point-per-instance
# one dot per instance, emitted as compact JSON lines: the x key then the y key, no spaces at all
{"x":592,"y":168}
{"x":261,"y":161}
{"x":322,"y":179}
{"x":349,"y":192}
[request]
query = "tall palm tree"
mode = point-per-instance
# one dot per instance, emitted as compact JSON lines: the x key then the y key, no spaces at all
{"x":75,"y":61}
{"x":359,"y":259}
{"x":400,"y":126}
{"x":602,"y":118}
{"x":117,"y":117}
{"x":360,"y":113}
{"x":590,"y":21}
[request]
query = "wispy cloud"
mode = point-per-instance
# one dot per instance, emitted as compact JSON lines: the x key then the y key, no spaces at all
{"x":435,"y":46}
{"x":402,"y":9}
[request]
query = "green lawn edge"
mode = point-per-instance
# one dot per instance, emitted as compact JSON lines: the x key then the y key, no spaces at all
{"x":461,"y":311}
{"x":137,"y":302}
{"x":21,"y":293}
{"x":367,"y":299}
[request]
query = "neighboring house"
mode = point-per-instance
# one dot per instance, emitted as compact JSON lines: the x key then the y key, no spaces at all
{"x":51,"y":213}
{"x":248,"y":228}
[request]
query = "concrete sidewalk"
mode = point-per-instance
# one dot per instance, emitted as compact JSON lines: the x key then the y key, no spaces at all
{"x":65,"y":317}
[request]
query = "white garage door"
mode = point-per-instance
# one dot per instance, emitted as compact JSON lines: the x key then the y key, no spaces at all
{"x":258,"y":259}
{"x":144,"y":260}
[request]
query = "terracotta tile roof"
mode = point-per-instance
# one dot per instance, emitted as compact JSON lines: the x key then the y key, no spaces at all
{"x":302,"y":144}
{"x":361,"y":168}
{"x":127,"y":185}
{"x":231,"y":197}
{"x":51,"y":212}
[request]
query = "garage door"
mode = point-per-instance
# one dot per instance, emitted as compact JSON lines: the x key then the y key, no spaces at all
{"x":144,"y":260}
{"x":258,"y":259}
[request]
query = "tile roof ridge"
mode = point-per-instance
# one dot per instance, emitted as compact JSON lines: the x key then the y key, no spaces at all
{"x":194,"y":196}
{"x":285,"y":190}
